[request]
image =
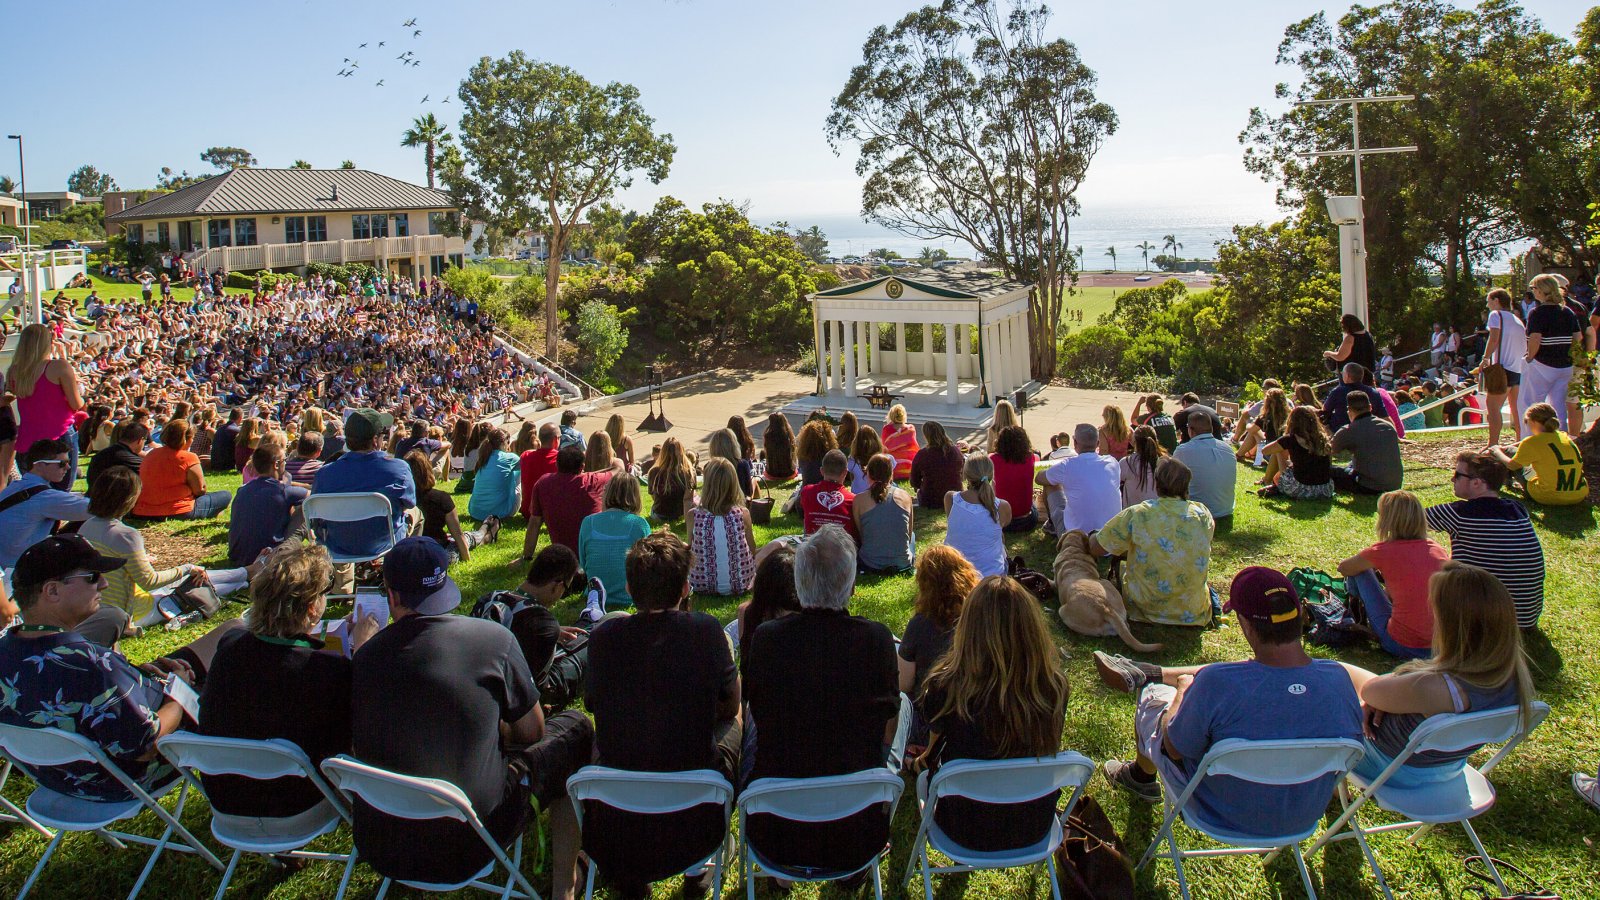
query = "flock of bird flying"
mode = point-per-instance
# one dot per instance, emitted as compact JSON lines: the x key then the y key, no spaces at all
{"x":408,"y":59}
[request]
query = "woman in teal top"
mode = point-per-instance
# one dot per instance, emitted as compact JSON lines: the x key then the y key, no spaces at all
{"x":496,"y":480}
{"x":1410,"y":419}
{"x":605,"y":537}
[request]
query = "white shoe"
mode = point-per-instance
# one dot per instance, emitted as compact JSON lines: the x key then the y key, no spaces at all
{"x":1588,"y":787}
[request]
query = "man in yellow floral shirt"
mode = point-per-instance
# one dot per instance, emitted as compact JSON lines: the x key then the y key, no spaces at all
{"x":1167,"y":545}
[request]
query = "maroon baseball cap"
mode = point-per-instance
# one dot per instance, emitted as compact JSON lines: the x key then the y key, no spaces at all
{"x":1262,"y":594}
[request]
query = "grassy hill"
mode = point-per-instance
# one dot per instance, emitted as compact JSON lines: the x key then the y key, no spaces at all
{"x":1538,"y":824}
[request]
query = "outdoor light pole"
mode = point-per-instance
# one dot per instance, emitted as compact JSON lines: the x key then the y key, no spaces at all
{"x":1349,"y":213}
{"x":32,"y":291}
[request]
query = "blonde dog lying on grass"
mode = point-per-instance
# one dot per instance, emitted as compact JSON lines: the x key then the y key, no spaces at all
{"x":1090,"y":605}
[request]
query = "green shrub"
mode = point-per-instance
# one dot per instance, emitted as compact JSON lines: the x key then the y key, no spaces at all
{"x":807,"y":363}
{"x":601,"y":335}
{"x":1096,"y":348}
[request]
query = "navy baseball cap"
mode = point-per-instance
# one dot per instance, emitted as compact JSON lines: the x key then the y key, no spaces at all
{"x":416,"y":570}
{"x":58,"y":556}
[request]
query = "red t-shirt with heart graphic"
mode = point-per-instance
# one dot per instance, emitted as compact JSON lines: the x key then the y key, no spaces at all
{"x":828,"y":503}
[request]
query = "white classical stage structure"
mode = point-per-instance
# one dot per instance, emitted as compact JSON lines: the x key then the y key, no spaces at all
{"x":861,"y":346}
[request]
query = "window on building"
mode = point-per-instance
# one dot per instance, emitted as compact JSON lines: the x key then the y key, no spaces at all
{"x":244,"y":232}
{"x":294,"y":229}
{"x":435,"y":220}
{"x":135,"y":234}
{"x":380,"y":225}
{"x":163,"y":236}
{"x":402,"y":224}
{"x":436,"y":265}
{"x":316,"y":228}
{"x":219,"y":233}
{"x":360,"y":226}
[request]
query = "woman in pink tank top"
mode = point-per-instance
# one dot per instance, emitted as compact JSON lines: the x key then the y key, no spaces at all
{"x":47,"y":394}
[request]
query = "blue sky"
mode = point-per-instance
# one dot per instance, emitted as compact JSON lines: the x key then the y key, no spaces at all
{"x":743,"y":87}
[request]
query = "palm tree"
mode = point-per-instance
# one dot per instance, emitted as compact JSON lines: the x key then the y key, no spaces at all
{"x":300,"y":164}
{"x":425,"y":132}
{"x":1078,"y":252}
{"x":347,"y":164}
{"x":1145,"y":247}
{"x":925,"y":254}
{"x":1170,"y":243}
{"x":1112,"y":252}
{"x":6,"y":184}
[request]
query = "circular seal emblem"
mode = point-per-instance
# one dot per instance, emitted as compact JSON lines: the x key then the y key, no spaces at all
{"x":894,"y":289}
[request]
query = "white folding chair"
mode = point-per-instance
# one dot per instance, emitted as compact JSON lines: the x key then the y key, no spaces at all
{"x":1274,"y":763}
{"x":408,"y":797}
{"x":813,"y":800}
{"x":1459,"y":799}
{"x":34,"y":749}
{"x":13,"y":813}
{"x":995,"y":781}
{"x":332,"y":509}
{"x":197,"y":754}
{"x":656,"y":794}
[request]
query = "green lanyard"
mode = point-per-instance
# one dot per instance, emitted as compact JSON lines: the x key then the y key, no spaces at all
{"x":42,"y":629}
{"x":286,"y":642}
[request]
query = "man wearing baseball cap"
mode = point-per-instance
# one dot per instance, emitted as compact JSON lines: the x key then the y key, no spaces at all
{"x":1281,"y":693}
{"x":61,"y":679}
{"x":365,"y":467}
{"x":437,"y":695}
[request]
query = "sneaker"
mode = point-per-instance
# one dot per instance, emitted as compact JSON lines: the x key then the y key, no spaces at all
{"x":1588,"y":787}
{"x":594,"y":608}
{"x":1123,"y":674}
{"x":1120,"y":774}
{"x":491,"y":529}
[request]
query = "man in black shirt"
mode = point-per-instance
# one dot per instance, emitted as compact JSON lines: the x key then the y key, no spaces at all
{"x":125,"y":450}
{"x":824,"y":699}
{"x":665,"y":697}
{"x":223,"y":441}
{"x":436,"y":695}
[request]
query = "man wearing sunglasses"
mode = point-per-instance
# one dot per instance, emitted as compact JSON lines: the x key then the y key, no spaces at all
{"x":1493,"y":532}
{"x":30,"y":507}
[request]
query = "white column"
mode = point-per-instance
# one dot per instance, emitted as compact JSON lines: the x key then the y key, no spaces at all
{"x":963,"y":335}
{"x":951,"y":388}
{"x":817,"y":331}
{"x":1004,"y":364}
{"x":1019,"y":352}
{"x":1025,"y":345}
{"x":927,"y":350}
{"x":900,"y":367}
{"x":986,"y":345}
{"x":836,"y":354}
{"x":851,"y":359}
{"x":861,"y":349}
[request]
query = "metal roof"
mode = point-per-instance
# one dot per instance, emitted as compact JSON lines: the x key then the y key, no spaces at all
{"x":243,"y":191}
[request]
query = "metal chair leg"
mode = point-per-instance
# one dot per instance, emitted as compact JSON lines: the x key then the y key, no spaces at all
{"x":349,"y":869}
{"x":1305,"y":873}
{"x":227,"y":875}
{"x":1483,"y":854}
{"x":49,"y":850}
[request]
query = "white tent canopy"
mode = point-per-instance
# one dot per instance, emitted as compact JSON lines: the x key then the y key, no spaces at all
{"x":849,"y":321}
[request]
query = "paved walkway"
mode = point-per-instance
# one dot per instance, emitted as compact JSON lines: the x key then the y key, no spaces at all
{"x":702,"y":404}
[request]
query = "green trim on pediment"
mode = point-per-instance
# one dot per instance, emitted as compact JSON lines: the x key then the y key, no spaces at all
{"x":848,"y":290}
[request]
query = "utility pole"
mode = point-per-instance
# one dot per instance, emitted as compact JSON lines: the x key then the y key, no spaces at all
{"x":1349,"y":212}
{"x":29,"y":258}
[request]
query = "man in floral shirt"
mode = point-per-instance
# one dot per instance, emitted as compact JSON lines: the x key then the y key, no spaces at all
{"x":1167,"y":545}
{"x":53,"y":677}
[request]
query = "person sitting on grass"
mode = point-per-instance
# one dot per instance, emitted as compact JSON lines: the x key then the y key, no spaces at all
{"x":535,"y":627}
{"x":126,"y":449}
{"x":1266,"y":427}
{"x":439,"y":518}
{"x":33,"y":506}
{"x":975,"y":518}
{"x":537,"y":462}
{"x":605,"y":537}
{"x":1279,"y":693}
{"x":1083,"y":491}
{"x":863,"y":448}
{"x":944,"y":581}
{"x":1493,"y":532}
{"x":1410,"y":419}
{"x":1116,"y":438}
{"x":1137,"y":470}
{"x":777,"y":445}
{"x":1014,"y":460}
{"x":1166,"y":545}
{"x":830,"y":501}
{"x":885,"y":518}
{"x":815,"y":440}
{"x":1404,"y":559}
{"x":900,"y":440}
{"x":561,"y":501}
{"x":309,"y":703}
{"x":998,"y":693}
{"x":1478,"y":664}
{"x":1552,"y":457}
{"x":266,"y":512}
{"x":1156,"y":417}
{"x":494,"y":489}
{"x":721,"y":535}
{"x":671,"y":481}
{"x":1210,"y":459}
{"x":1374,"y":448}
{"x":174,"y":483}
{"x":936,"y":469}
{"x":303,"y":465}
{"x":1300,"y":463}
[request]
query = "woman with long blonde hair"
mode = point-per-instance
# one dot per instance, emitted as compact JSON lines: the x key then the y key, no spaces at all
{"x":721,"y":538}
{"x":1005,"y":415}
{"x":671,"y":482}
{"x":725,"y":445}
{"x":597,"y":455}
{"x":621,"y":444}
{"x":1301,"y":460}
{"x":1552,"y":330}
{"x":47,"y":396}
{"x":1478,"y":664}
{"x":899,"y":440}
{"x":1116,"y":438}
{"x":312,"y":419}
{"x":998,"y":693}
{"x":1405,"y":558}
{"x":976,"y":517}
{"x":1268,"y":427}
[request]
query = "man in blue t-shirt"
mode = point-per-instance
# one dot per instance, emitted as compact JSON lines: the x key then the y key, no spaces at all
{"x":1280,"y":694}
{"x":366,"y":468}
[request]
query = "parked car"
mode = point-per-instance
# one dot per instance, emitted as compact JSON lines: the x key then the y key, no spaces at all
{"x":64,"y":244}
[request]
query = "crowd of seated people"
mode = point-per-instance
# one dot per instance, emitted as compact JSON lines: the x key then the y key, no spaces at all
{"x":1148,"y":490}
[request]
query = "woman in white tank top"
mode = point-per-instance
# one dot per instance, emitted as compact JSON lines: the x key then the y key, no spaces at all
{"x":976,"y":518}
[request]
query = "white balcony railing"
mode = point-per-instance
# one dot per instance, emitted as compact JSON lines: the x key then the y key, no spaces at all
{"x":284,"y":256}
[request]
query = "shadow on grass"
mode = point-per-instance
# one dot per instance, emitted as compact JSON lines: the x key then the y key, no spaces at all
{"x":1546,"y":663}
{"x":1567,"y":521}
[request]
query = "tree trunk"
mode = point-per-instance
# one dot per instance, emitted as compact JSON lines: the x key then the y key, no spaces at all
{"x":428,"y":160}
{"x":552,"y":291}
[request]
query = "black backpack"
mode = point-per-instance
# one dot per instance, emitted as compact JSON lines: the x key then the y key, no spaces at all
{"x":558,"y":666}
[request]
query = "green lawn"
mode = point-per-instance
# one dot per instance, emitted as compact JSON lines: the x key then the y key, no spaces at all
{"x":1093,"y":301}
{"x":1539,"y":823}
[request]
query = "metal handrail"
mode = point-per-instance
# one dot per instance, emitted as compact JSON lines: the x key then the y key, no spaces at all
{"x":1397,"y":360}
{"x":585,"y":389}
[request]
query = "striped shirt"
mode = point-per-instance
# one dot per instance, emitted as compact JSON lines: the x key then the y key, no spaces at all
{"x":1557,"y":327}
{"x":1494,"y":534}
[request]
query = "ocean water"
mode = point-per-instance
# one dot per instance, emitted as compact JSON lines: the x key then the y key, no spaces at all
{"x":1197,"y":228}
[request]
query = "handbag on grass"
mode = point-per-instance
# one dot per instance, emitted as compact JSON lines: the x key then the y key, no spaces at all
{"x":193,"y":596}
{"x":1092,"y":862}
{"x":1475,"y":867}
